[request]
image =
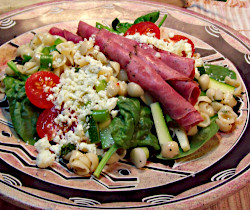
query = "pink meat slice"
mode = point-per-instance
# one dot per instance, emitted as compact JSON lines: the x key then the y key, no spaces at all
{"x":181,"y":64}
{"x":144,"y":75}
{"x":56,"y":31}
{"x":66,"y":34}
{"x":181,"y":83}
{"x":72,"y":37}
{"x":173,"y":103}
{"x":85,"y":30}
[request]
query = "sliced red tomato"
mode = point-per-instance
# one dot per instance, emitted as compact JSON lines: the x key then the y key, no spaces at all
{"x":144,"y":28}
{"x":38,"y":86}
{"x":46,"y":125}
{"x":177,"y":38}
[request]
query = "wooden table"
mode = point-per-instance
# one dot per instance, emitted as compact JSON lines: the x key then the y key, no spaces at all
{"x":239,"y":200}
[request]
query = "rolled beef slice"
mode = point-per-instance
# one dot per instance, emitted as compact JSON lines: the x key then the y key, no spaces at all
{"x":181,"y":83}
{"x":69,"y":36}
{"x":143,"y":74}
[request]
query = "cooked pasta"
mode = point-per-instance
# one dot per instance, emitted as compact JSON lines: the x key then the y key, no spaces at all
{"x":229,"y":99}
{"x":24,"y":50}
{"x":204,"y":81}
{"x":206,"y":108}
{"x":29,"y":68}
{"x":226,"y":118}
{"x":135,"y":90}
{"x":116,"y":68}
{"x":80,"y":163}
{"x":68,"y":49}
{"x":206,"y":120}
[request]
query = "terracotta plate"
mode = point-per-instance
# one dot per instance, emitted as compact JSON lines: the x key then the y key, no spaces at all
{"x":219,"y":168}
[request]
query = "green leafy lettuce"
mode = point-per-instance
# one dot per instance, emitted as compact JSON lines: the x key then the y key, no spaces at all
{"x":23,"y":114}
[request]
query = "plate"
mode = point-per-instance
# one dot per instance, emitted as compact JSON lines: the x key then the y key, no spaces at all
{"x":219,"y":168}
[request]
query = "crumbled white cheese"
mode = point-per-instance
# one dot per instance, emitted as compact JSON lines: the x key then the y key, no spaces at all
{"x":42,"y":144}
{"x":56,"y":149}
{"x":45,"y":159}
{"x":87,"y":147}
{"x":176,"y":48}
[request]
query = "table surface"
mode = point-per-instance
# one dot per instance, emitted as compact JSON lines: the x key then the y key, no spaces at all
{"x":239,"y":200}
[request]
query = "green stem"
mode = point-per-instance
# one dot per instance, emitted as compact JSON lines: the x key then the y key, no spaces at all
{"x":105,"y":159}
{"x":162,"y":21}
{"x":12,"y":65}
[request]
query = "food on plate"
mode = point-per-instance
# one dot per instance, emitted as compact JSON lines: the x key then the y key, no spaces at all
{"x":105,"y":93}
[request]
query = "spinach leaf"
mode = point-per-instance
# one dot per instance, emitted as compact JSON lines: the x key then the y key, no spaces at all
{"x":198,"y":140}
{"x":23,"y":114}
{"x":120,"y":27}
{"x":133,"y":126}
{"x":150,"y":17}
{"x":217,"y":72}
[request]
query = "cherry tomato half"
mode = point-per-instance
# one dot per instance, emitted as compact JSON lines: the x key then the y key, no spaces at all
{"x":38,"y":86}
{"x":144,"y":28}
{"x":177,"y":38}
{"x":46,"y":125}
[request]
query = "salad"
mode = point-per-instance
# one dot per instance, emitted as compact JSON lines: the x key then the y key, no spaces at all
{"x":120,"y":92}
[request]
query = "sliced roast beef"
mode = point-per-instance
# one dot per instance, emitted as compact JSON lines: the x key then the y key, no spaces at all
{"x":85,"y":30}
{"x":144,"y":74}
{"x":173,"y":103}
{"x":72,"y":37}
{"x":65,"y":34}
{"x":181,"y":64}
{"x":56,"y":31}
{"x":189,"y":90}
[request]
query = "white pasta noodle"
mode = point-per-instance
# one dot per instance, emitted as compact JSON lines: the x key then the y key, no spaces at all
{"x":24,"y":50}
{"x":101,"y":57}
{"x":204,"y":81}
{"x":238,"y":90}
{"x":80,"y":60}
{"x":58,"y":59}
{"x":197,"y":74}
{"x":216,"y":106}
{"x":94,"y":161}
{"x":29,"y":68}
{"x":206,"y":108}
{"x":112,"y":89}
{"x":232,"y":82}
{"x":116,"y":67}
{"x":215,"y":94}
{"x":85,"y":46}
{"x":227,"y":114}
{"x":68,"y":49}
{"x":135,"y":90}
{"x":36,"y":42}
{"x":226,"y":118}
{"x":206,"y":120}
{"x":123,"y":88}
{"x":123,"y":75}
{"x":203,"y":99}
{"x":46,"y":38}
{"x":223,"y":126}
{"x":229,"y":99}
{"x":80,"y":163}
